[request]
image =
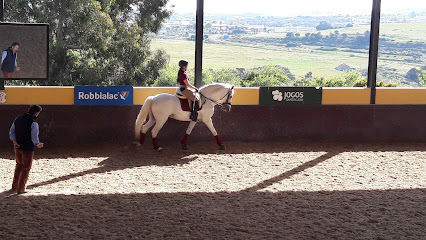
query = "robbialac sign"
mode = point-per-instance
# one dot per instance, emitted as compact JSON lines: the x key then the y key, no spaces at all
{"x":103,"y":95}
{"x":290,"y":96}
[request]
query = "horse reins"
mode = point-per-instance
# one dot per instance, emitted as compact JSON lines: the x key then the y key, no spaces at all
{"x":221,"y":105}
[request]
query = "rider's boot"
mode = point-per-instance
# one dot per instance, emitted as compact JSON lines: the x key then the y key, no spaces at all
{"x":194,"y":113}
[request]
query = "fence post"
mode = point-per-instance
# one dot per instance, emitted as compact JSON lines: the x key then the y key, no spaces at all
{"x":199,"y":38}
{"x":374,"y":50}
{"x":1,"y":20}
{"x":1,"y":10}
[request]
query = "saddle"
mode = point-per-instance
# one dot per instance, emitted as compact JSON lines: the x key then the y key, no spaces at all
{"x":184,"y":102}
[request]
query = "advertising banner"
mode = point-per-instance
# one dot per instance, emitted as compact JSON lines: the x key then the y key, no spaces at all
{"x":290,"y":96}
{"x":103,"y":95}
{"x":3,"y":98}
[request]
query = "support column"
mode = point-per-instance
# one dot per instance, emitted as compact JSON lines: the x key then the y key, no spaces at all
{"x":374,"y":50}
{"x":199,"y":38}
{"x":1,"y":20}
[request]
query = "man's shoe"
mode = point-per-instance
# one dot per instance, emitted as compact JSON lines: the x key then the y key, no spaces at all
{"x":23,"y":192}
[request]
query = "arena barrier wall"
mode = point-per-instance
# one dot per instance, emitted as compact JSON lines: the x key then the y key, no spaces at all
{"x":341,"y":118}
{"x":243,"y":96}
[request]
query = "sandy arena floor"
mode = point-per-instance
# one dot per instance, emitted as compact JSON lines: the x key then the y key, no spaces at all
{"x":250,"y":191}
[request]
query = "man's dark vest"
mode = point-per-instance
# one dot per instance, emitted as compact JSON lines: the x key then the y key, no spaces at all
{"x":8,"y":64}
{"x":23,"y":132}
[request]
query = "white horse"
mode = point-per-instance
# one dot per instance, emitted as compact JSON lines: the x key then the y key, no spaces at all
{"x":162,"y":106}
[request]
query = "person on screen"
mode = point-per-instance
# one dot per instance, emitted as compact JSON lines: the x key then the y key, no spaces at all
{"x":9,"y":60}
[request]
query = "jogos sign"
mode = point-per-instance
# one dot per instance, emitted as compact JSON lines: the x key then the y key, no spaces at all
{"x":290,"y":96}
{"x":103,"y":95}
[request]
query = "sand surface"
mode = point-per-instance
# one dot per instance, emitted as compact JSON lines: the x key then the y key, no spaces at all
{"x":250,"y":191}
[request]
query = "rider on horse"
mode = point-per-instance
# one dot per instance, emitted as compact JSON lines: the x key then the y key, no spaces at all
{"x":185,"y":87}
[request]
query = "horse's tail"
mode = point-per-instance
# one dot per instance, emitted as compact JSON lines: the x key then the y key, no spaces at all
{"x":143,"y":114}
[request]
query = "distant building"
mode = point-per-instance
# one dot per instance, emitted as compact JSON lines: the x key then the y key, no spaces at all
{"x":299,"y":29}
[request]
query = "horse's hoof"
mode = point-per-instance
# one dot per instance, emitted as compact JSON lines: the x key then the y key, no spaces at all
{"x":160,"y":149}
{"x":185,"y":147}
{"x":222,"y":147}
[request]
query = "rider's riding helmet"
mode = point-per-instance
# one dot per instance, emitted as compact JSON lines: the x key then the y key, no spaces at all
{"x":183,"y":63}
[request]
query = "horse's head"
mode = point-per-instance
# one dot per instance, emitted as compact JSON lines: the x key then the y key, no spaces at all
{"x":219,"y":94}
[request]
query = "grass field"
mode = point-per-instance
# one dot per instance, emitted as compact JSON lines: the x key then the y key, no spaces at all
{"x":300,"y":60}
{"x":402,"y":32}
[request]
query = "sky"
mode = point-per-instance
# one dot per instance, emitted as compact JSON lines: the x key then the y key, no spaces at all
{"x":294,"y":7}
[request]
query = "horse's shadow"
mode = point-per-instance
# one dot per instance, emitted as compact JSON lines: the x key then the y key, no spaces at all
{"x":119,"y":158}
{"x":129,"y":156}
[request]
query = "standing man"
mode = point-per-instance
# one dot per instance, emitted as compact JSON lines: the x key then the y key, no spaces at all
{"x":9,"y":61}
{"x":24,"y":134}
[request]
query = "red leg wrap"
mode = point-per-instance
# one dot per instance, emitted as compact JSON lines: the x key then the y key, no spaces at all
{"x":218,"y":140}
{"x":184,"y":139}
{"x":155,"y":143}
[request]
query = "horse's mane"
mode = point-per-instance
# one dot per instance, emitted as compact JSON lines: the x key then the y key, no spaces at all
{"x":225,"y":85}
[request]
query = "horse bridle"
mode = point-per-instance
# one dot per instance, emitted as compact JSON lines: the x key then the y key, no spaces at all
{"x":222,"y":105}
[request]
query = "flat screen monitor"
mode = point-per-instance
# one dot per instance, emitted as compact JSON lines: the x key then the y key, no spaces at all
{"x":24,"y":51}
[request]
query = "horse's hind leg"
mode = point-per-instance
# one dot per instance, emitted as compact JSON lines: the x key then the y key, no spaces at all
{"x":159,"y":124}
{"x":146,"y":127}
{"x":188,"y":132}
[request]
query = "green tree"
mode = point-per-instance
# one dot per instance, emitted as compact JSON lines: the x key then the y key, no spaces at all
{"x":324,"y":25}
{"x":346,"y":79}
{"x":422,"y":78}
{"x":351,"y":77}
{"x":97,"y":41}
{"x":266,"y":76}
{"x":412,"y":75}
{"x":301,"y":82}
{"x":290,"y":35}
{"x":336,"y":33}
{"x":167,"y":77}
{"x":221,"y":76}
{"x":327,"y":82}
{"x":363,"y":83}
{"x":315,"y":37}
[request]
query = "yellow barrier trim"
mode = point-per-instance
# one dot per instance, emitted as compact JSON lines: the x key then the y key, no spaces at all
{"x":40,"y":95}
{"x":401,"y":96}
{"x":140,"y":94}
{"x":242,"y":96}
{"x":246,"y":96}
{"x":348,"y":96}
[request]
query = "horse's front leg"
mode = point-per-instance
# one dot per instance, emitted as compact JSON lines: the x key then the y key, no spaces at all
{"x":188,"y":132}
{"x":209,"y":124}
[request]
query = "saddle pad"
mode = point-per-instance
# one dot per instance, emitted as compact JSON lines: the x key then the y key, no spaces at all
{"x":184,"y":105}
{"x":184,"y":101}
